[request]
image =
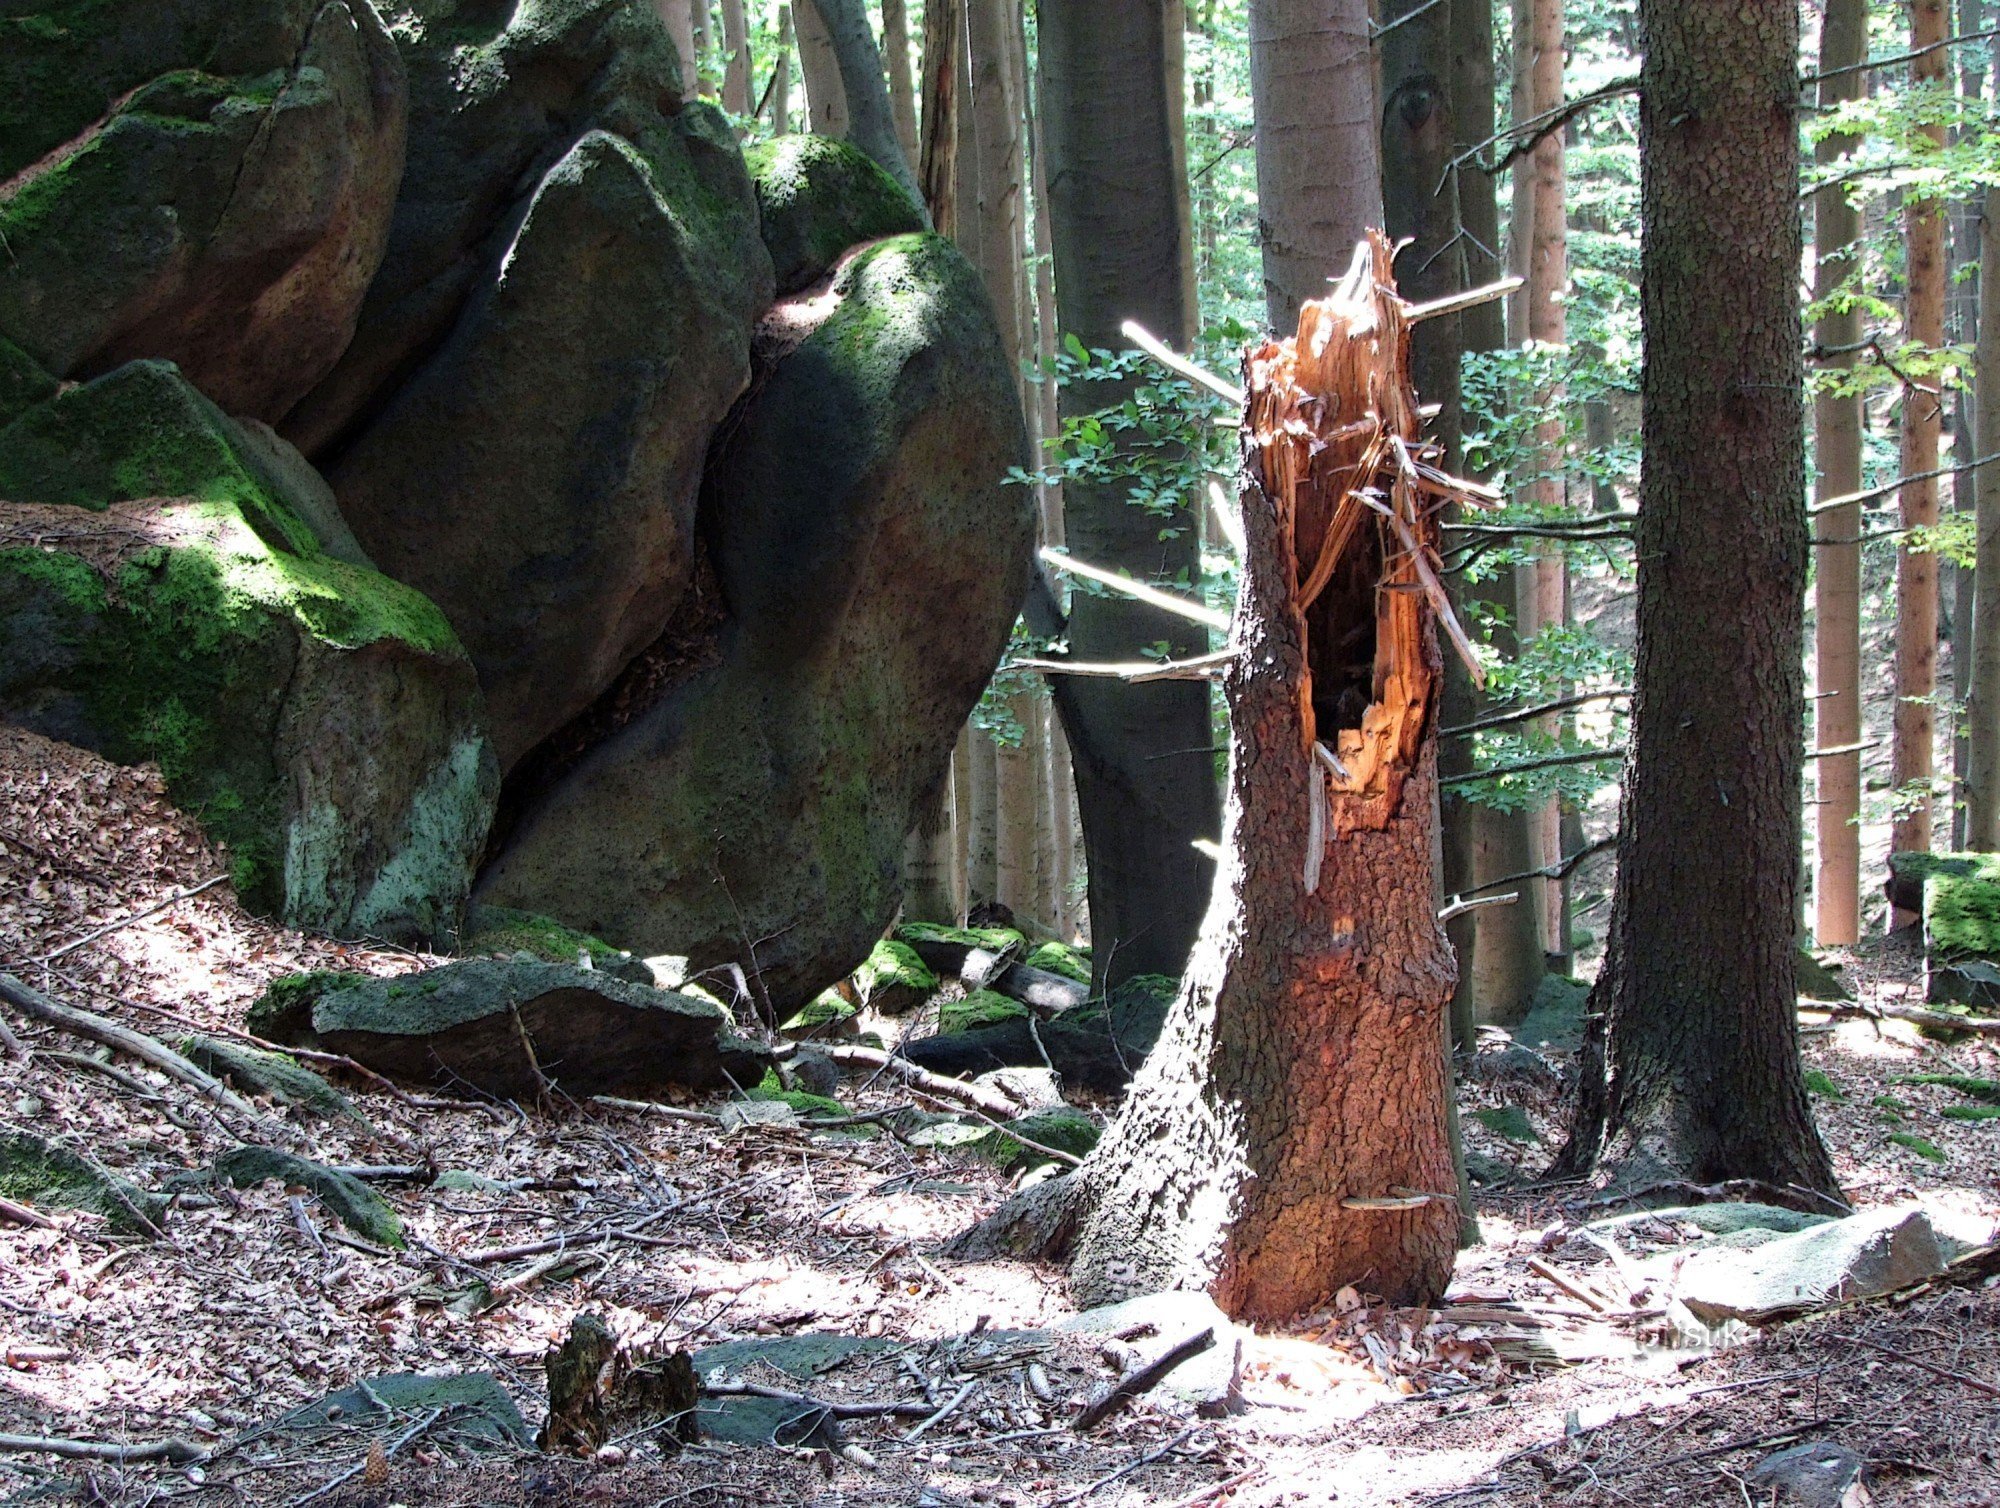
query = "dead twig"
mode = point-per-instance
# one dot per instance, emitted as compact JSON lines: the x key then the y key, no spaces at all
{"x":137,"y":916}
{"x":936,"y":1085}
{"x":1929,"y":1366}
{"x":1140,"y":1378}
{"x":179,"y":1452}
{"x":20,"y":1214}
{"x":958,"y":1398}
{"x":1124,"y":1471}
{"x":1940,"y":1020}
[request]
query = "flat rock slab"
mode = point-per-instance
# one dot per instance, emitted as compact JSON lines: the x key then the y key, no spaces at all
{"x":1856,"y":1258}
{"x":471,"y":1404}
{"x":510,"y":1027}
{"x":1207,"y":1379}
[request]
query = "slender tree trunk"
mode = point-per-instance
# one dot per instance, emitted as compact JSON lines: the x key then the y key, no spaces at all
{"x":1837,"y":566}
{"x":1962,"y":328}
{"x":1499,"y":975}
{"x":819,"y":71}
{"x":1521,"y":182}
{"x":736,"y":70}
{"x":871,"y":121}
{"x":1982,"y":794}
{"x":1145,"y":781}
{"x":680,"y":29}
{"x":1542,"y":584}
{"x":704,"y":38}
{"x":1280,"y":1140}
{"x":781,"y":81}
{"x":927,"y":862}
{"x":937,"y":162}
{"x":1915,"y":728}
{"x":902,"y":88}
{"x":961,"y":821}
{"x":1690,"y":1065}
{"x":982,"y":860}
{"x":1318,"y":177}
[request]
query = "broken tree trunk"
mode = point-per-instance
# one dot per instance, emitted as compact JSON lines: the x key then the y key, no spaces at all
{"x":1288,"y":1134}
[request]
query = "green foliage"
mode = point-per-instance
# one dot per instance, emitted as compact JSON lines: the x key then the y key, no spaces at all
{"x":1929,"y":1151}
{"x":1976,"y":1088}
{"x":1822,"y":1085}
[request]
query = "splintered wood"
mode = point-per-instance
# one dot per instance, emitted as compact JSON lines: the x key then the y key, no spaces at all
{"x":1335,"y":424}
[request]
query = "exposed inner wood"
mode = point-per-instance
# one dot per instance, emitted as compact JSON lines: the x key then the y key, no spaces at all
{"x":1354,"y":486}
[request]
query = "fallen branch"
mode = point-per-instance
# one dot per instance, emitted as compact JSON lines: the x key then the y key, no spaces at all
{"x":667,"y":1112}
{"x":806,"y":1400}
{"x":1140,"y":1378}
{"x":1178,"y":364}
{"x":179,"y":1452}
{"x":1929,"y":1366}
{"x":1166,"y":601}
{"x":20,"y":1214}
{"x":992,"y":1101}
{"x":96,"y":1028}
{"x":126,"y":921}
{"x":951,"y":1407}
{"x":1123,"y":1472}
{"x":1941,"y":1020}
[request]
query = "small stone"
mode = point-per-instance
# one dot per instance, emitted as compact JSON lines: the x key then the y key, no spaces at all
{"x":610,"y":1455}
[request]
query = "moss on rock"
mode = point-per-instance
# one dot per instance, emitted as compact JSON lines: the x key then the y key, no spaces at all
{"x":43,"y":1175}
{"x":827,"y":1008}
{"x":992,"y":939}
{"x":272,"y":1073}
{"x":816,"y":198}
{"x":23,"y":383}
{"x":1066,"y":1129}
{"x":351,"y":1201}
{"x":893,"y":979}
{"x":1061,"y":958}
{"x":977,"y":1011}
{"x":283,"y":1013}
{"x":499,"y":930}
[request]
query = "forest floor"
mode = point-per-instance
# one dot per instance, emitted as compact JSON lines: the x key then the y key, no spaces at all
{"x":681,"y":1234}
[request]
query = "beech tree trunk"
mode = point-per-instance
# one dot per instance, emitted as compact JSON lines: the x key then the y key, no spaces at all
{"x":679,"y":21}
{"x":781,"y":78}
{"x":1837,"y":566}
{"x":870,"y":120}
{"x":1145,"y":782}
{"x":1915,"y":727}
{"x":736,"y":67}
{"x":1312,"y":78}
{"x":819,"y":71}
{"x":1288,"y":1134}
{"x":1504,"y":964}
{"x":1690,"y":1065}
{"x":902,"y":88}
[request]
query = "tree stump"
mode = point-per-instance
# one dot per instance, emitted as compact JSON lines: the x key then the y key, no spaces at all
{"x":1288,"y":1134}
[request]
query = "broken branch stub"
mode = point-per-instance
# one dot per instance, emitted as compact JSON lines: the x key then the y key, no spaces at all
{"x":1334,"y":430}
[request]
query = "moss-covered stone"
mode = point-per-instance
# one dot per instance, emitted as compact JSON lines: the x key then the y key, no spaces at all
{"x":979,"y":1010}
{"x":771,"y":1091}
{"x":1509,"y":1122}
{"x":497,"y":931}
{"x":43,"y":1175}
{"x":1067,"y":1130}
{"x":319,"y":718}
{"x":827,"y":1008}
{"x":346,"y":1197}
{"x":992,"y":939}
{"x":283,"y":1013}
{"x":1961,"y":914}
{"x":258,"y":1072}
{"x":23,"y":383}
{"x":893,"y":980}
{"x":1061,"y":958}
{"x":816,"y":198}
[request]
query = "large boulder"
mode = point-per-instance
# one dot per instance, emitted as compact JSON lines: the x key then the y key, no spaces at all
{"x":208,"y":182}
{"x":816,"y":199}
{"x":869,"y":556}
{"x":537,"y":477}
{"x":164,"y":599}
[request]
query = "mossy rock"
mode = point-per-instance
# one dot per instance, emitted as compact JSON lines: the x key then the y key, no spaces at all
{"x":1819,"y":980}
{"x":1555,"y":1014}
{"x":816,"y":198}
{"x":351,"y":1201}
{"x":858,"y":501}
{"x":44,"y":1175}
{"x":1061,"y":958}
{"x":319,"y":719}
{"x":477,"y":1405}
{"x":978,"y":1011}
{"x":991,"y":939}
{"x":283,"y":1013}
{"x":497,"y":931}
{"x":1962,"y":930}
{"x":809,"y":1106}
{"x":1144,"y":989}
{"x":209,"y":182}
{"x":893,"y":979}
{"x":828,"y":1008}
{"x":23,"y":383}
{"x":1067,"y":1130}
{"x":258,"y":1072}
{"x":1509,"y":1122}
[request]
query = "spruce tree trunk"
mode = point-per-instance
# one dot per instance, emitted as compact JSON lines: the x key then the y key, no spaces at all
{"x":1982,"y":793}
{"x":1318,"y":176}
{"x":1915,"y":727}
{"x":1498,"y":976}
{"x":1145,"y":782}
{"x":937,"y":159}
{"x":1288,"y":1134}
{"x":1837,"y":565}
{"x":1690,"y":1066}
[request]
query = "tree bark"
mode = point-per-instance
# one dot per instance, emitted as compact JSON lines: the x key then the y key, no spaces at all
{"x":703,"y":29}
{"x":937,"y":161}
{"x":902,"y":90}
{"x":982,"y":860}
{"x":1287,"y":1135}
{"x":870,"y":122}
{"x":1318,"y":179}
{"x":781,"y":79}
{"x":736,"y":68}
{"x":1505,"y":963}
{"x":1982,"y":793}
{"x":679,"y":21}
{"x":1145,"y":781}
{"x":1837,"y":566}
{"x":1915,"y":726}
{"x":819,"y":71}
{"x":1690,"y":1060}
{"x":929,"y":894}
